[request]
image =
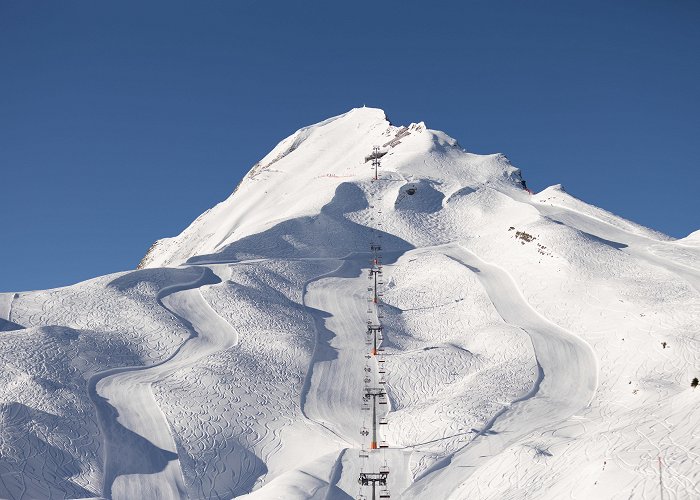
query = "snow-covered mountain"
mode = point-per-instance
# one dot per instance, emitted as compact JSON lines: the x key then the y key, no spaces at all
{"x":531,"y":345}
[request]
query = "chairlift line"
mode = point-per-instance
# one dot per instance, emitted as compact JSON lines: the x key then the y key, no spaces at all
{"x":374,"y":392}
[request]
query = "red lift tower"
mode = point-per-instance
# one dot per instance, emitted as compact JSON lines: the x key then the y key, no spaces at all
{"x":375,"y":333}
{"x":375,"y":274}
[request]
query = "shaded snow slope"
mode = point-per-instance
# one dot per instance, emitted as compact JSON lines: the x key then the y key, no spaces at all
{"x":534,"y":346}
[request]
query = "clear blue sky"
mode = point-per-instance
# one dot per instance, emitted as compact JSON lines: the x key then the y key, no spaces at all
{"x":122,"y":121}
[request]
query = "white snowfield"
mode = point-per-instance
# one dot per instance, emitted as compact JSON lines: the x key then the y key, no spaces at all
{"x":535,"y":346}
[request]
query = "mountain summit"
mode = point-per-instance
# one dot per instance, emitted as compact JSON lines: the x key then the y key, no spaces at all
{"x":372,"y":308}
{"x":302,"y":174}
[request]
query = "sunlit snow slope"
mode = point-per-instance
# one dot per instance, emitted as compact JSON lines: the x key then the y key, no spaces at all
{"x":535,"y":346}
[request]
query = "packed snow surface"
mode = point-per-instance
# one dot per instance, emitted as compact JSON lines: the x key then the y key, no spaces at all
{"x":529,"y":345}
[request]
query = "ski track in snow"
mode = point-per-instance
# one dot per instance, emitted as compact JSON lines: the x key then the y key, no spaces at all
{"x":139,"y":454}
{"x":335,"y":383}
{"x":567,"y":383}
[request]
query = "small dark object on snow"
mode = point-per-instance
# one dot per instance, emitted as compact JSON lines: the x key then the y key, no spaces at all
{"x":526,"y":237}
{"x":694,"y":383}
{"x":664,"y":344}
{"x":411,"y":191}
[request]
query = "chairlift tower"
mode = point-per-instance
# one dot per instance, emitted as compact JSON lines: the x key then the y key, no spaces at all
{"x":374,"y":331}
{"x":375,"y":479}
{"x":378,"y":396}
{"x":375,"y":273}
{"x":376,"y":163}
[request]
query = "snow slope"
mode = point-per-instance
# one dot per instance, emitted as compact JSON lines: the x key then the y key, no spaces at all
{"x":534,"y":346}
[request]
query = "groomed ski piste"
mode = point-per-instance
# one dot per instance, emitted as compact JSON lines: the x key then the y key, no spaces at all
{"x":528,"y":345}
